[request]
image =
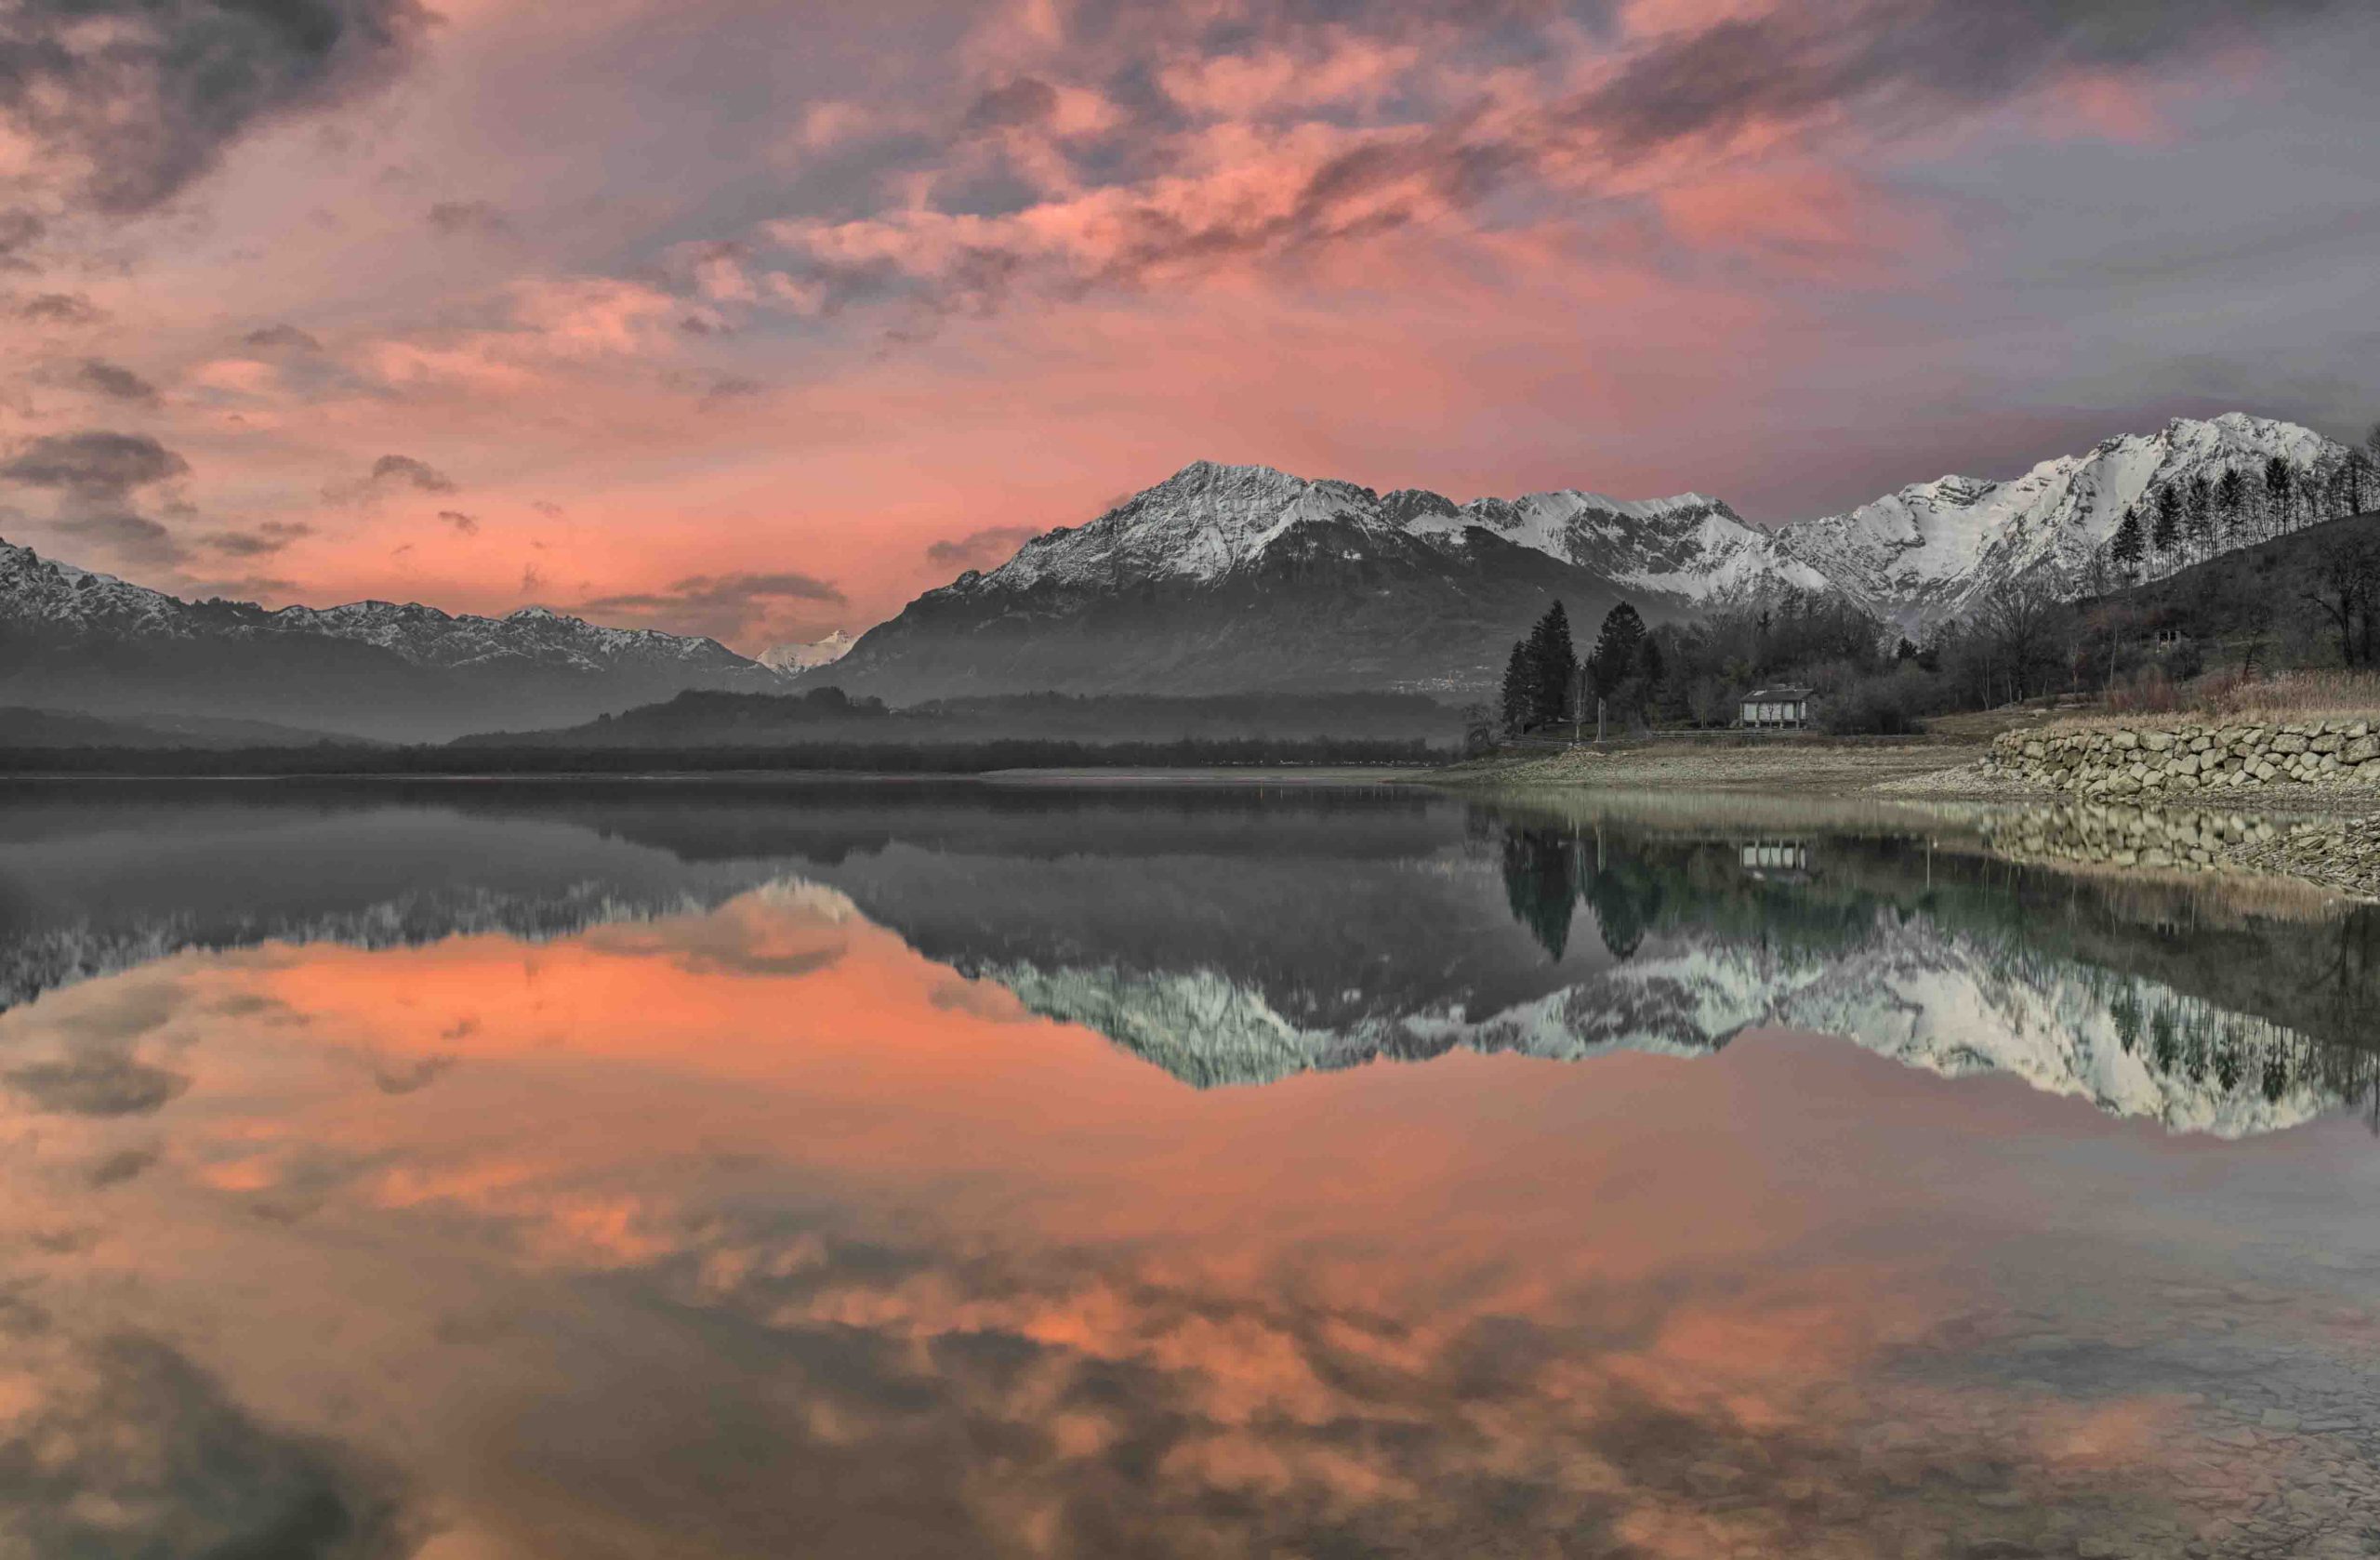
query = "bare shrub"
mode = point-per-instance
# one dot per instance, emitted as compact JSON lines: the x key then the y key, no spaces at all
{"x":2146,"y":692}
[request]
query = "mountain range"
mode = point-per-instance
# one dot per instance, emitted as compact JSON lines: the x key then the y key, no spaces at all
{"x":96,"y":644}
{"x":1220,"y":579}
{"x":1239,"y":576}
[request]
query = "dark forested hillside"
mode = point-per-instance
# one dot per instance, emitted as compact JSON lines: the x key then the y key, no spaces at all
{"x":2308,"y":598}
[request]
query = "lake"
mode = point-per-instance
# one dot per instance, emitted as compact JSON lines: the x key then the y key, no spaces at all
{"x":647,"y":1169}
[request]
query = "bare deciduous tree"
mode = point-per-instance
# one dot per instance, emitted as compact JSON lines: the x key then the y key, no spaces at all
{"x":2024,"y":623}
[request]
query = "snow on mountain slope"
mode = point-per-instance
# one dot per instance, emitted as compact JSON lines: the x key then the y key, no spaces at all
{"x":1689,"y":547}
{"x":802,"y":658}
{"x":1923,"y":555}
{"x":1202,"y":525}
{"x":1209,"y":522}
{"x":1949,"y":1003}
{"x":1917,"y":557}
{"x":42,"y":593}
{"x":58,"y":599}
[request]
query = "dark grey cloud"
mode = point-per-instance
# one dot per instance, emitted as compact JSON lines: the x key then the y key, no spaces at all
{"x":391,"y":474}
{"x":469,"y":218}
{"x":96,"y":1084}
{"x":405,"y":471}
{"x":262,"y":541}
{"x":279,"y":337}
{"x":1022,"y":101}
{"x":411,"y":1078}
{"x":96,"y":474}
{"x":1911,"y":55}
{"x":108,"y":381}
{"x":129,"y":535}
{"x":94,"y":463}
{"x":19,"y":230}
{"x":118,"y":1168}
{"x":721,"y":606}
{"x":468,"y":525}
{"x":57,"y":309}
{"x":981,"y":549}
{"x":130,"y":100}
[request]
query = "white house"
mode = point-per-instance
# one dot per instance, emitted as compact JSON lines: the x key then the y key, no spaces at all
{"x":1776,"y":706}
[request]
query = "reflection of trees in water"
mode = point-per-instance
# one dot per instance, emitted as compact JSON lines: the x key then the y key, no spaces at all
{"x":1540,"y":882}
{"x":1637,"y":885}
{"x":2191,"y":1037}
{"x":1548,"y":871}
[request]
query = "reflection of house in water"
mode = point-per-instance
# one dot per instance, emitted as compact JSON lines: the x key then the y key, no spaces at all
{"x":1779,"y":860}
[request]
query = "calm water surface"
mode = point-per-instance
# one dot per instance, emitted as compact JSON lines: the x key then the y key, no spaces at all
{"x":512,"y":1171}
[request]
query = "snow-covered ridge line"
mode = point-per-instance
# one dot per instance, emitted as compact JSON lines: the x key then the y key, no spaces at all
{"x":1945,"y":1002}
{"x":47,"y":595}
{"x":1916,"y":558}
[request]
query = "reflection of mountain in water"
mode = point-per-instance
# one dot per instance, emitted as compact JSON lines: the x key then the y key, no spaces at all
{"x":1685,"y":945}
{"x":1233,"y":938}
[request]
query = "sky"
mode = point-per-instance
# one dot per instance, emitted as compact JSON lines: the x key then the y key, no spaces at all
{"x":756,"y":319}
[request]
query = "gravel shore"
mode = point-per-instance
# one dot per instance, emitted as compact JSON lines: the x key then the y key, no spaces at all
{"x":1779,"y":768}
{"x":2322,"y":835}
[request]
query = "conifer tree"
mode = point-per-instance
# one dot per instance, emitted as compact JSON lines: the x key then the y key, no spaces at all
{"x":1554,"y":667}
{"x":1519,"y":681}
{"x":2361,"y":483}
{"x":2129,"y":545}
{"x":2280,"y":488}
{"x":2167,"y":535}
{"x":2199,"y":515}
{"x":1614,"y":656}
{"x":2230,"y":503}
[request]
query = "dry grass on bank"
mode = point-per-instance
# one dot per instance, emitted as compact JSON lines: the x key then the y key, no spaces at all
{"x":2228,"y":699}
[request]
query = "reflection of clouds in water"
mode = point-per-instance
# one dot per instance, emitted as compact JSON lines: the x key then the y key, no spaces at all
{"x":102,"y":1084}
{"x":783,"y":930}
{"x":1104,"y":1401}
{"x":412,"y":1076}
{"x":122,"y":1444}
{"x":755,"y":1230}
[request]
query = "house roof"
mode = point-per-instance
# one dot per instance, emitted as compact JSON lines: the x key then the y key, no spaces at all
{"x":1775,"y":695}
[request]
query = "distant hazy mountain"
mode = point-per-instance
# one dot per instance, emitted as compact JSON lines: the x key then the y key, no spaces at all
{"x":61,"y":728}
{"x":71,"y":639}
{"x":802,"y":658}
{"x":1236,"y":576}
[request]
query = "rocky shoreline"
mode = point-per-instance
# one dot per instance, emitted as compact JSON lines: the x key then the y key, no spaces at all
{"x":2298,"y":800}
{"x":2148,"y":759}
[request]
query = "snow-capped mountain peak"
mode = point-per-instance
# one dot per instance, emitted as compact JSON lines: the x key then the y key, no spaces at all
{"x":1925,"y":554}
{"x":795,"y":657}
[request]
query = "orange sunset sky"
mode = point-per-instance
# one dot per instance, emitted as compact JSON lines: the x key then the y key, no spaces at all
{"x":755,"y":318}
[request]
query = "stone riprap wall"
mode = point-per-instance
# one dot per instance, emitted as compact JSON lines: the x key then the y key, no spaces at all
{"x":2112,"y":835}
{"x":2148,"y":759}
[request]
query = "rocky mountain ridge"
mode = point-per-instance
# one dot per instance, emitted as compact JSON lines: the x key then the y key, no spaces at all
{"x":1254,"y":546}
{"x":74,"y":639}
{"x":38,"y":593}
